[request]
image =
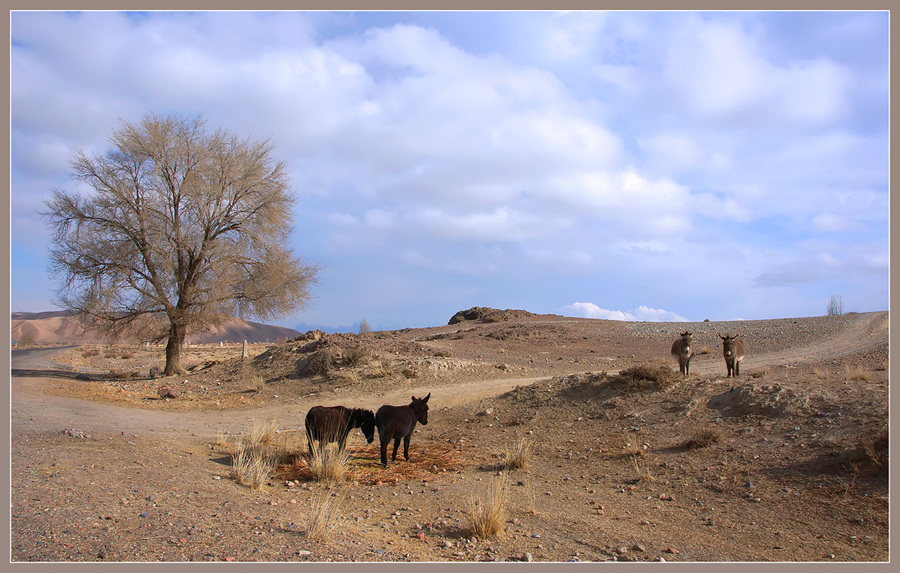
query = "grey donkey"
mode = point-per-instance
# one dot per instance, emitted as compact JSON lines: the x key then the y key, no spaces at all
{"x":734,"y":351}
{"x":683,"y":349}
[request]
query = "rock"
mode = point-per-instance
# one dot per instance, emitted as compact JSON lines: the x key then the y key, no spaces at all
{"x":166,"y":392}
{"x":527,"y":557}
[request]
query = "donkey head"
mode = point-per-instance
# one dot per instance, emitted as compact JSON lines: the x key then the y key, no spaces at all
{"x":420,"y":407}
{"x":368,"y":425}
{"x":728,"y":345}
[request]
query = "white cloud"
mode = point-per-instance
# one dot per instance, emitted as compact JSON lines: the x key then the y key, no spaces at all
{"x":831,"y":223}
{"x":723,"y":72}
{"x":641,"y":313}
{"x":673,"y":153}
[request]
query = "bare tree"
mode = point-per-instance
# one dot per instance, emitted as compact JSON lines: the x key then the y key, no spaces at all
{"x":835,"y":306}
{"x":183,"y":228}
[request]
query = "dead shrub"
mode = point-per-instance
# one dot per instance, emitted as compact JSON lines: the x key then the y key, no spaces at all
{"x":357,"y":355}
{"x":703,"y":437}
{"x":256,"y":456}
{"x":517,"y":455}
{"x":856,"y":372}
{"x":648,"y":376}
{"x":875,"y":448}
{"x":328,"y":463}
{"x":321,"y":362}
{"x":323,"y":516}
{"x":487,"y":512}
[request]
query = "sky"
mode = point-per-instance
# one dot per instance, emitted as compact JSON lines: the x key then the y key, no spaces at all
{"x":648,"y":166}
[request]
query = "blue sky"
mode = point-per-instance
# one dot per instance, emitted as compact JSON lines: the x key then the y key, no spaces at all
{"x":628,"y":165}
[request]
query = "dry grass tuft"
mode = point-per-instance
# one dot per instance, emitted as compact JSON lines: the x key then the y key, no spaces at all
{"x":323,"y":516}
{"x":256,"y":456}
{"x":856,"y":372}
{"x":643,"y":471}
{"x":487,"y":512}
{"x":357,"y":355}
{"x":329,"y":463}
{"x":647,"y":376}
{"x":518,"y":454}
{"x":703,"y":437}
{"x":875,"y":448}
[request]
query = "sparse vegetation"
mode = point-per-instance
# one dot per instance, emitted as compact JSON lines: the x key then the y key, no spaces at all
{"x":856,"y":372}
{"x":255,"y":456}
{"x":487,"y":510}
{"x":329,"y":463}
{"x":835,"y":306}
{"x":357,"y":355}
{"x":703,"y":437}
{"x":649,"y":375}
{"x":323,"y":516}
{"x":517,"y":454}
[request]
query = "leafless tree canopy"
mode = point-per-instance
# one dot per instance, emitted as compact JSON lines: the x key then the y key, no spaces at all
{"x":181,"y":223}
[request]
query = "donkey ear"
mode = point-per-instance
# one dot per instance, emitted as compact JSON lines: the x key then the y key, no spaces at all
{"x":425,"y":399}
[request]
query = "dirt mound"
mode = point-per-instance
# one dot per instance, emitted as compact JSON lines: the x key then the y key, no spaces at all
{"x":486,"y":314}
{"x":771,"y":400}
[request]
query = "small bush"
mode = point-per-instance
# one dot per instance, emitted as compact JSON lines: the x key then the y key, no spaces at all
{"x":703,"y":437}
{"x":518,"y":454}
{"x":255,"y":456}
{"x":257,"y":383}
{"x":328,"y":464}
{"x":487,"y":512}
{"x":357,"y":356}
{"x":323,"y":517}
{"x":649,"y":375}
{"x":856,"y":372}
{"x":321,"y":362}
{"x":875,"y":448}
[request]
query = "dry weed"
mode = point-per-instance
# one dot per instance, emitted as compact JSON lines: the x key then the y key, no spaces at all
{"x":643,"y":471}
{"x":856,"y":372}
{"x":328,"y":463}
{"x":703,"y":437}
{"x":323,"y":516}
{"x":487,"y":512}
{"x":255,"y":456}
{"x":649,"y":375}
{"x":518,"y":454}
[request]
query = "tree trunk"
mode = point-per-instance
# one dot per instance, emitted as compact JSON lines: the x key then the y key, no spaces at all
{"x":173,"y":350}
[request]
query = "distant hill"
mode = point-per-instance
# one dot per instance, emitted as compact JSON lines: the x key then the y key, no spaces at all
{"x":60,"y":327}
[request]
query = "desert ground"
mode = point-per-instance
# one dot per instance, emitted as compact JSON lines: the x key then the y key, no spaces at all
{"x":629,"y":459}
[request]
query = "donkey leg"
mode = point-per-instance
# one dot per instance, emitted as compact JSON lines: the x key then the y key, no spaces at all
{"x":396,"y":447}
{"x":406,"y":447}
{"x":385,"y":439}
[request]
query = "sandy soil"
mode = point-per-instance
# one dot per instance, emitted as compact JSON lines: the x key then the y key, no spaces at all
{"x":631,"y":461}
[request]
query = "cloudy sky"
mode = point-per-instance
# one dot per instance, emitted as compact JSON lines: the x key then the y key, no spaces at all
{"x":626,"y":165}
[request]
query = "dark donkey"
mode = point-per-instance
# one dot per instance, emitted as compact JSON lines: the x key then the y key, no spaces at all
{"x":683,"y":349}
{"x":733,"y":349}
{"x":397,"y":423}
{"x":333,"y":424}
